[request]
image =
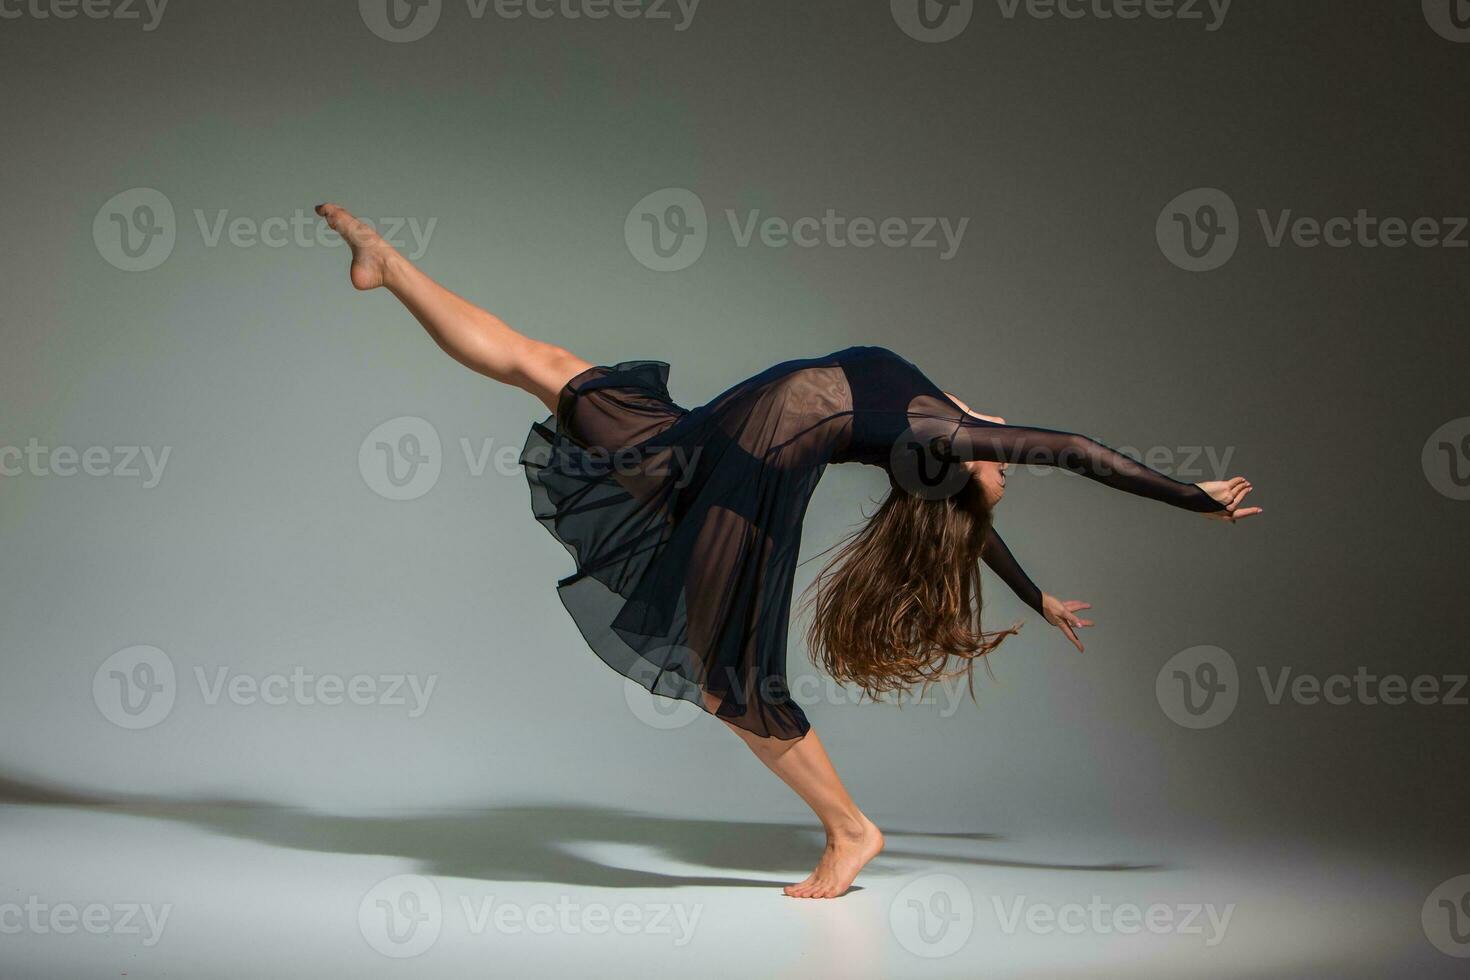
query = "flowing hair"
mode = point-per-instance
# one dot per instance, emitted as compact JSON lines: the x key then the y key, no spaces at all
{"x":901,"y":597}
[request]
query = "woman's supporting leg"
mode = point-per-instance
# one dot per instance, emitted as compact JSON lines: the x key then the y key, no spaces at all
{"x":852,"y":839}
{"x":802,"y":764}
{"x":477,"y":339}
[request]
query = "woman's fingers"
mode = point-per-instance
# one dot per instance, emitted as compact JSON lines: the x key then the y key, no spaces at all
{"x":1232,"y":492}
{"x":1067,"y":629}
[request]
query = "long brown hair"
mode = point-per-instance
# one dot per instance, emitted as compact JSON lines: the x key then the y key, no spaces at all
{"x":901,"y":597}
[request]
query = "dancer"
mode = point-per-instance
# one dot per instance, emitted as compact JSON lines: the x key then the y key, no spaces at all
{"x":685,"y":524}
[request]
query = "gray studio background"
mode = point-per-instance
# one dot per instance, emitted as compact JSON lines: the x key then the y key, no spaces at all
{"x":265,"y":547}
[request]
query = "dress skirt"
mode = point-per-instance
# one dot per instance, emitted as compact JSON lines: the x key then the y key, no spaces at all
{"x":684,"y":527}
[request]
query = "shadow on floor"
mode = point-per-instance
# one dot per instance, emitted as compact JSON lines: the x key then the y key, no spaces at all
{"x":534,"y":842}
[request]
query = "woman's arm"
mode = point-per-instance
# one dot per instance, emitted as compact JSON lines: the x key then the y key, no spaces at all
{"x":975,"y":438}
{"x":1060,"y":613}
{"x":1004,"y":565}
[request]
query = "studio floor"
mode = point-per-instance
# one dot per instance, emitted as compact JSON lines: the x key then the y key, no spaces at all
{"x":214,"y":889}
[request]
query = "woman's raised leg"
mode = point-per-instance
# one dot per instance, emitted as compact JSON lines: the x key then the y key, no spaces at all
{"x":477,"y":339}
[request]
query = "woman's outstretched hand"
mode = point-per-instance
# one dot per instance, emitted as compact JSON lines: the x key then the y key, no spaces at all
{"x":1062,"y":613}
{"x":1230,"y":493}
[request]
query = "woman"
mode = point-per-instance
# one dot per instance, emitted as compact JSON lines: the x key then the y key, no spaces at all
{"x":685,"y":525}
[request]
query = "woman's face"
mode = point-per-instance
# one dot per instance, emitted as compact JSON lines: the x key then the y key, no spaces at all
{"x":992,"y":480}
{"x":990,"y":476}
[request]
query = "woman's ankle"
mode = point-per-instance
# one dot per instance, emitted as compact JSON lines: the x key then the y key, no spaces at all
{"x":848,"y":826}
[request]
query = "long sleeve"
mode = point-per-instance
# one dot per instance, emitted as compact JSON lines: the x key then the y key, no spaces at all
{"x":1004,"y":564}
{"x":976,"y":439}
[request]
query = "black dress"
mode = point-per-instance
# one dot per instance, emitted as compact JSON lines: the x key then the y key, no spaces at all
{"x":685,"y":523}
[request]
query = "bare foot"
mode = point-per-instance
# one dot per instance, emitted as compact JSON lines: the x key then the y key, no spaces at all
{"x":373,"y":259}
{"x":846,"y":854}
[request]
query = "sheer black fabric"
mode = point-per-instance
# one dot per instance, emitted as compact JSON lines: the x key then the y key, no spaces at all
{"x":1000,"y":561}
{"x":685,"y":524}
